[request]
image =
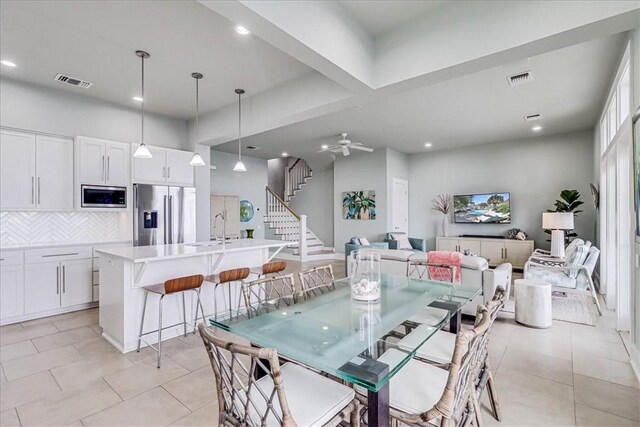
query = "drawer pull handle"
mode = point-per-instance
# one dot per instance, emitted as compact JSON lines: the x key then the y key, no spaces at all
{"x":57,"y":280}
{"x":69,"y":254}
{"x":64,"y":280}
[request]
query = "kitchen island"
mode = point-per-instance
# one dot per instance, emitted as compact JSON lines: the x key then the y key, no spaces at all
{"x":125,"y":270}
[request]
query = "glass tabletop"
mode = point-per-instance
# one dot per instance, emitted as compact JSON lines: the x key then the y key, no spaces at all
{"x":335,"y":334}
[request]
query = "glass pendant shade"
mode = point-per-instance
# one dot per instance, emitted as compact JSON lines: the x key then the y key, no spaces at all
{"x":239,"y":167}
{"x":142,"y":152}
{"x":197,"y":160}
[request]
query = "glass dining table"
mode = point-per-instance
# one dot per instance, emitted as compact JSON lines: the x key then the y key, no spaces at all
{"x":344,"y":338}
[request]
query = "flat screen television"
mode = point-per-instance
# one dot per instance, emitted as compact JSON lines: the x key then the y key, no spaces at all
{"x":486,"y":208}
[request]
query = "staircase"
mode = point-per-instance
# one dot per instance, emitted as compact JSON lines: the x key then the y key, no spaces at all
{"x":296,"y":176}
{"x":291,"y":227}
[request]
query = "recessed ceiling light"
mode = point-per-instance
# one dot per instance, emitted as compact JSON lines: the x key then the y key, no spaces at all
{"x":7,"y":63}
{"x":428,"y":144}
{"x":536,"y":128}
{"x":137,"y":98}
{"x":324,"y":146}
{"x":242,"y":30}
{"x":285,"y":154}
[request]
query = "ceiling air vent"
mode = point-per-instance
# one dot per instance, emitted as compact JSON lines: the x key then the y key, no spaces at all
{"x":533,"y":117}
{"x":252,"y":147}
{"x":73,"y":81}
{"x":520,"y":78}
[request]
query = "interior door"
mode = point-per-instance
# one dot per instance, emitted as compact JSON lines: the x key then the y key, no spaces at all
{"x":54,"y":168}
{"x":493,"y":251}
{"x":232,"y":215}
{"x":217,"y":207}
{"x":17,"y":169}
{"x":42,"y":286}
{"x":400,"y":207}
{"x":92,"y":163}
{"x":76,"y":279}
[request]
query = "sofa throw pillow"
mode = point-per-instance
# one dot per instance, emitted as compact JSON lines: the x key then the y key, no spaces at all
{"x":403,"y":241}
{"x":364,"y":241}
{"x":577,"y":257}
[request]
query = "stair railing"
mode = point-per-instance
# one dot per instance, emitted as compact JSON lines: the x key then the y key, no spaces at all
{"x":278,"y":210}
{"x":295,"y":176}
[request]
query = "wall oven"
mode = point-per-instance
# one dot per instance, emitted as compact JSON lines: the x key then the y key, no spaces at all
{"x":100,"y":196}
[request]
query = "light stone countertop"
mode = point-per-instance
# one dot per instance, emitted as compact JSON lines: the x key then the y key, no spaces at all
{"x":183,"y":250}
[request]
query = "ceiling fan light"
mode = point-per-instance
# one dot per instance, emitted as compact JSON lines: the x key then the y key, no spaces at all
{"x":142,"y":152}
{"x":197,"y":160}
{"x":239,"y":167}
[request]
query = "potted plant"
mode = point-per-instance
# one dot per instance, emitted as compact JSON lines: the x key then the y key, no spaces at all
{"x":442,"y":203}
{"x":569,"y":202}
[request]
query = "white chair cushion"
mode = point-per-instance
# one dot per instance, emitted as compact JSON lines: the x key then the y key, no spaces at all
{"x":417,"y":387}
{"x":474,"y":262}
{"x":430,"y":316}
{"x":391,"y":254}
{"x":313,"y":399}
{"x":403,"y":241}
{"x":555,"y":278}
{"x":438,"y":348}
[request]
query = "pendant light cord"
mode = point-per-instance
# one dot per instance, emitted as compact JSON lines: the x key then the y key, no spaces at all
{"x":197,"y":111}
{"x":142,"y":103}
{"x":239,"y":127}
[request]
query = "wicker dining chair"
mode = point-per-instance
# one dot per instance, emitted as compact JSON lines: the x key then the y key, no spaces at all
{"x":317,"y":281}
{"x":286,"y":395}
{"x":271,"y":293}
{"x":422,"y":394}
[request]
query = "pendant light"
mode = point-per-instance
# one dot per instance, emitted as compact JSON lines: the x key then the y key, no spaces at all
{"x":197,"y":159}
{"x":142,"y":151}
{"x":239,"y":167}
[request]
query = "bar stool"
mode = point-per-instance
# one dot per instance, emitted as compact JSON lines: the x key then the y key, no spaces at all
{"x":169,"y":287}
{"x":228,"y":276}
{"x":269,"y":268}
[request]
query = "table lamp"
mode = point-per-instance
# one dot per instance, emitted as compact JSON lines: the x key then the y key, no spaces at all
{"x":557,"y":222}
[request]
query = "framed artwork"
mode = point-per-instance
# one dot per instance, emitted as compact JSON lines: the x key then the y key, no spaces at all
{"x":636,"y":167}
{"x":359,"y":204}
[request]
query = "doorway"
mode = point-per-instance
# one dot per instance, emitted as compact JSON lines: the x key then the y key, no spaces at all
{"x":400,"y":205}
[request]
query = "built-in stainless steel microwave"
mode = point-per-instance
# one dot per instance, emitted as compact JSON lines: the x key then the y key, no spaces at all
{"x":100,"y":196}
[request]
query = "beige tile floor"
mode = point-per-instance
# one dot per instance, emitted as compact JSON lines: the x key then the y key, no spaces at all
{"x":59,"y":371}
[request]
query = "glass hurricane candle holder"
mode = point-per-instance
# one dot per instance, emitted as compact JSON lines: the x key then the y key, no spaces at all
{"x":365,"y":276}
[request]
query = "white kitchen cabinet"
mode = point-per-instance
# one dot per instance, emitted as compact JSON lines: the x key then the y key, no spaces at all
{"x":179,"y":171}
{"x":54,"y":172}
{"x":230,"y":207}
{"x":77,"y":282}
{"x":17,"y":169}
{"x":36,"y":171}
{"x":42,"y":286}
{"x":166,"y":166}
{"x":103,"y":162}
{"x":118,"y":160}
{"x":11,"y":290}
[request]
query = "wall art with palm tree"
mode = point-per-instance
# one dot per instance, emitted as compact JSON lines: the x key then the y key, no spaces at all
{"x":359,"y":205}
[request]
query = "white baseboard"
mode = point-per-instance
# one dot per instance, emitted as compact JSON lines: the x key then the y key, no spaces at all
{"x":41,"y":314}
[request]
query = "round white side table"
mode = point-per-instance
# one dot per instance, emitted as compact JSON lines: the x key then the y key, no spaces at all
{"x":533,"y":303}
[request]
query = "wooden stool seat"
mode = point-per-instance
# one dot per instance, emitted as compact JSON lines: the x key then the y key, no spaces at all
{"x":228,"y":276}
{"x":269,"y":268}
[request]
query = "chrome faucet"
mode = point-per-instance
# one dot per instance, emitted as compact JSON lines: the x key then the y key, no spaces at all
{"x":224,"y":233}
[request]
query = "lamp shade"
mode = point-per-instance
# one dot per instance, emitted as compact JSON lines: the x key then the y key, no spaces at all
{"x":557,"y":221}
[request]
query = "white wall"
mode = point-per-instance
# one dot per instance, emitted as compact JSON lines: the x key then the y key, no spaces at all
{"x":534,"y":171}
{"x":314,"y":200}
{"x":360,"y":172}
{"x":249,"y":185}
{"x":42,"y":109}
{"x":276,"y":175}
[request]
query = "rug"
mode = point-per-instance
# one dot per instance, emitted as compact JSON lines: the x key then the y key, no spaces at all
{"x":568,"y":307}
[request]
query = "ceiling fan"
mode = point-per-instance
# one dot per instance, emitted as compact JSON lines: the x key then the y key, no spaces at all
{"x":344,"y":145}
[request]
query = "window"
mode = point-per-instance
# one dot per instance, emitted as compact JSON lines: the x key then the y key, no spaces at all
{"x":623,"y":96}
{"x":604,"y":134}
{"x":613,"y":126}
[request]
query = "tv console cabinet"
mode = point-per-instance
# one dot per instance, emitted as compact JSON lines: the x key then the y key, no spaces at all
{"x":496,"y":250}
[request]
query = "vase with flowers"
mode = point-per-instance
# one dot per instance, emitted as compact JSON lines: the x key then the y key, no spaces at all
{"x":442,"y":203}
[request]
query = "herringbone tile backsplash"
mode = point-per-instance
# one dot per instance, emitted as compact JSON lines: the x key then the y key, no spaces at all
{"x":51,"y":227}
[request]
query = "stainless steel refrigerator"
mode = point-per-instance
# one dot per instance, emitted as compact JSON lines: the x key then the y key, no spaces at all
{"x":163,"y":215}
